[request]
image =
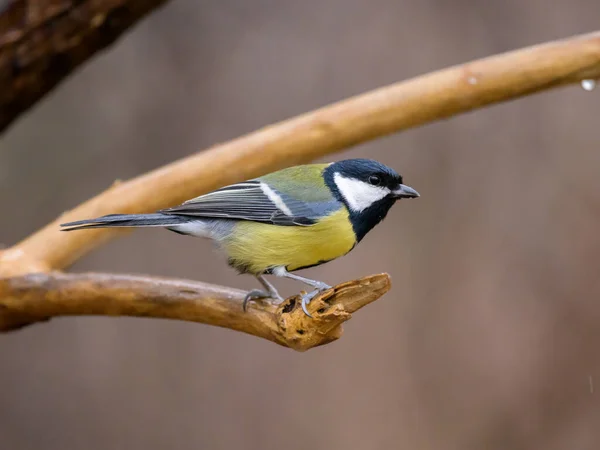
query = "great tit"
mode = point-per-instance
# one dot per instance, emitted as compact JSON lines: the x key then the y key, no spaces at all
{"x":285,"y":221}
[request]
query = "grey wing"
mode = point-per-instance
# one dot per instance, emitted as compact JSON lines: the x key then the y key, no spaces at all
{"x":251,"y":200}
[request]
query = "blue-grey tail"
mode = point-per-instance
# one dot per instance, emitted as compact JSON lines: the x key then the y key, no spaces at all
{"x":126,"y":220}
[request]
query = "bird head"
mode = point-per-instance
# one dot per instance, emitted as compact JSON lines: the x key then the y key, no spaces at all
{"x":368,"y":189}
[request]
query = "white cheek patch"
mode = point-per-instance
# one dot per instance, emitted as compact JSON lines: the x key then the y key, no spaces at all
{"x":276,"y":199}
{"x":358,"y":194}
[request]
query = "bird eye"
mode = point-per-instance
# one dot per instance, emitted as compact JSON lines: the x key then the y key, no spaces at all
{"x":375,"y":180}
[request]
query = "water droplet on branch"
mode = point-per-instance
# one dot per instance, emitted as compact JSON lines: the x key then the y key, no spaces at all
{"x":588,"y":85}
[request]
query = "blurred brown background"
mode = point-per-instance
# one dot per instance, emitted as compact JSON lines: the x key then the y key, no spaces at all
{"x":489,"y":338}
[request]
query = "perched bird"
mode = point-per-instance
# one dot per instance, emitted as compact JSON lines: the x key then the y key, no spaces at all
{"x":285,"y":221}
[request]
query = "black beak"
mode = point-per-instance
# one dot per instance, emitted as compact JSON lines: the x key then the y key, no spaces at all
{"x":405,"y":192}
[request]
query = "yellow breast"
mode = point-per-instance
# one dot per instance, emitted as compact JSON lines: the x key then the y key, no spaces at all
{"x":254,"y":247}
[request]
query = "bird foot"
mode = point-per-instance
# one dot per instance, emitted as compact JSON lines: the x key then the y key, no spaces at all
{"x":257,"y":294}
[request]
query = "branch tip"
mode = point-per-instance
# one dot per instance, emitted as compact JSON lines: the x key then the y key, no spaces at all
{"x":329,"y":310}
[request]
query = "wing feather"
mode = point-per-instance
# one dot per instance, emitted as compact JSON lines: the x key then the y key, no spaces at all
{"x":252,"y":201}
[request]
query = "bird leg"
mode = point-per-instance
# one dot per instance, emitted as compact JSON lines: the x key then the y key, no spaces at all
{"x":255,"y":294}
{"x":306,"y":298}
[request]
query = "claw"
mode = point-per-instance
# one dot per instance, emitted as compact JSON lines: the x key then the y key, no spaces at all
{"x":306,"y":298}
{"x":254,"y":294}
{"x":305,"y":301}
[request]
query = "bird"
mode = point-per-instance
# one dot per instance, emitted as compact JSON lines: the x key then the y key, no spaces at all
{"x":282,"y":222}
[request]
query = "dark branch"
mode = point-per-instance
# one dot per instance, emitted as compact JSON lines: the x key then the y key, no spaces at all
{"x":43,"y":41}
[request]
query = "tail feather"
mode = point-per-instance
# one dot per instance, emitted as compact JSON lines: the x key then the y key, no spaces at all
{"x":126,"y":220}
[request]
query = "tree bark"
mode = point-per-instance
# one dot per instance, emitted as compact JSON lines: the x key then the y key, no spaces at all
{"x":43,"y":41}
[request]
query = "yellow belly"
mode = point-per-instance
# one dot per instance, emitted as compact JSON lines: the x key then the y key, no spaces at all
{"x":255,"y":247}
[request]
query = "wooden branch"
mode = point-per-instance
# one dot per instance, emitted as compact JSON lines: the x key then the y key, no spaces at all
{"x":38,"y":297}
{"x":43,"y":41}
{"x":383,"y":111}
{"x":27,"y":297}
